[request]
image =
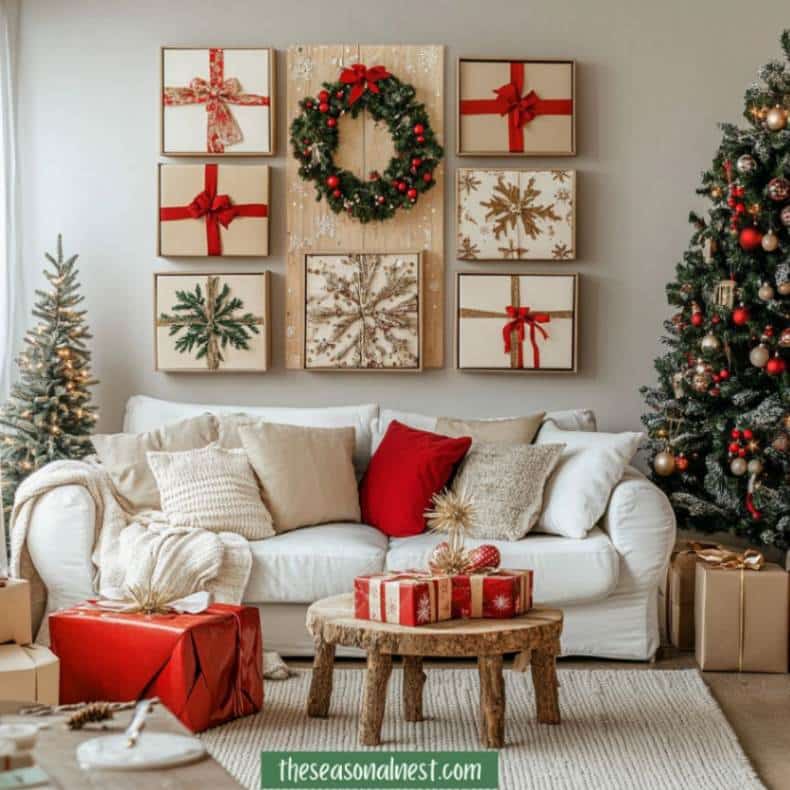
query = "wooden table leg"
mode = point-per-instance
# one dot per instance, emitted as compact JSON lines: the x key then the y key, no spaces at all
{"x":321,"y":685}
{"x":492,"y":702}
{"x":544,"y":679}
{"x":375,"y":697}
{"x":413,"y":681}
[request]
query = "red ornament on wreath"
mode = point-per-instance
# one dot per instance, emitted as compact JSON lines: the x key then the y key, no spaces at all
{"x":750,"y":239}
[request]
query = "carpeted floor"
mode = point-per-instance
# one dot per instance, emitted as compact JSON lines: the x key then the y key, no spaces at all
{"x":622,"y":729}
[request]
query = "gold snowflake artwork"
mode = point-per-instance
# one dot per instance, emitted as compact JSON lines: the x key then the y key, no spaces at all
{"x":467,"y":251}
{"x":561,"y":176}
{"x":468,"y":181}
{"x":509,"y":204}
{"x":362,"y":311}
{"x":561,"y":253}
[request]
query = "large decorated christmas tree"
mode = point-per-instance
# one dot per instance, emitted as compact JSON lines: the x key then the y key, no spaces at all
{"x":49,"y":415}
{"x":720,"y":422}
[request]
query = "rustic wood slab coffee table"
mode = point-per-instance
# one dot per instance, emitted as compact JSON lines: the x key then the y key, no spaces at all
{"x":535,"y":636}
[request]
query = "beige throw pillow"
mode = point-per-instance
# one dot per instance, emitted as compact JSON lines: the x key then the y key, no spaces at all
{"x":306,"y":474}
{"x":213,"y":489}
{"x":510,"y":430}
{"x":506,"y":482}
{"x":123,"y":456}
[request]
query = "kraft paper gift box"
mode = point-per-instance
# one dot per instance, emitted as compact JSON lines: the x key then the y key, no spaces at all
{"x":15,"y":619}
{"x":213,"y":210}
{"x":407,"y":597}
{"x":29,"y":673}
{"x":217,"y":101}
{"x":741,"y":618}
{"x":521,"y":107}
{"x":517,"y":322}
{"x":516,"y":214}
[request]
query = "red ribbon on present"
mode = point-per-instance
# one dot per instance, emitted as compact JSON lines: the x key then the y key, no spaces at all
{"x":362,"y":78}
{"x":520,"y":110}
{"x":222,"y":128}
{"x":215,"y":209}
{"x":520,"y":317}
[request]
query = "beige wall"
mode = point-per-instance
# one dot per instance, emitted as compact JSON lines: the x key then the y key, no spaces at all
{"x":654,"y":78}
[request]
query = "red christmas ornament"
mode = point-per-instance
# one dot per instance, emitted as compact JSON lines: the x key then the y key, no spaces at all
{"x":309,"y":105}
{"x":697,"y":319}
{"x":323,"y":96}
{"x":418,"y":128}
{"x":332,"y":181}
{"x":716,"y":377}
{"x":738,"y":191}
{"x":420,"y":139}
{"x":323,"y":107}
{"x":331,"y":122}
{"x":412,"y":194}
{"x":750,"y":239}
{"x":742,"y":452}
{"x":735,"y":433}
{"x":416,"y":162}
{"x":739,"y":208}
{"x":747,"y":434}
{"x":740,"y":316}
{"x":427,"y":177}
{"x":485,"y":556}
{"x":681,"y":463}
{"x":731,"y":201}
{"x":734,"y":447}
{"x":724,"y":374}
{"x":336,"y":193}
{"x":380,"y":200}
{"x":775,"y":366}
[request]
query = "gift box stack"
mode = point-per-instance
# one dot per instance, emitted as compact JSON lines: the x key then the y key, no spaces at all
{"x":206,"y":668}
{"x":28,"y":672}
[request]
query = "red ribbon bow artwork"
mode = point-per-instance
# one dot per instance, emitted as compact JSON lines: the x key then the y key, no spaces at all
{"x":362,"y":78}
{"x":216,"y":93}
{"x":214,"y":209}
{"x":520,"y":318}
{"x":520,"y":109}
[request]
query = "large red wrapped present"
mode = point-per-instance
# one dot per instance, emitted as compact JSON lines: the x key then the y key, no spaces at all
{"x":206,"y":668}
{"x":499,"y":594}
{"x":406,"y":598}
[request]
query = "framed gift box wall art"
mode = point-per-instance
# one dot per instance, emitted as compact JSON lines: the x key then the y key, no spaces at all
{"x":517,"y":322}
{"x":363,"y":311}
{"x":516,"y":214}
{"x":211,"y":323}
{"x":213,"y":210}
{"x":217,"y":101}
{"x":516,"y":107}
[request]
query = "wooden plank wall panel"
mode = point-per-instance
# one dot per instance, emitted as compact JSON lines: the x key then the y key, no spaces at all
{"x":364,"y":147}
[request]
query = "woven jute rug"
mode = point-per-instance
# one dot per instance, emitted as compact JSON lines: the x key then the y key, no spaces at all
{"x":656,"y":729}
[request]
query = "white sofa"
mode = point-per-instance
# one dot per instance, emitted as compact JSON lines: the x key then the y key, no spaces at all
{"x":607,"y":584}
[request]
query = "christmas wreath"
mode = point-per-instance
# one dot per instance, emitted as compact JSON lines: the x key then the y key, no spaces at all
{"x":315,"y":137}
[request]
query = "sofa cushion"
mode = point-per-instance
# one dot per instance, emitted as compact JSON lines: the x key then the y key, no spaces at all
{"x":502,"y":430}
{"x":567,"y":571}
{"x":306,"y":564}
{"x":145,"y":414}
{"x":568,"y":420}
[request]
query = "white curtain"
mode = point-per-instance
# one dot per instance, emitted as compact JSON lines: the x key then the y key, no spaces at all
{"x":10,"y":262}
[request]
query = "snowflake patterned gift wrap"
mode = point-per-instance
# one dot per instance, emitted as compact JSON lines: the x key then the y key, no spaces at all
{"x":518,"y":322}
{"x":403,"y":597}
{"x":211,"y":322}
{"x":363,"y":311}
{"x":217,"y":101}
{"x":497,"y":595}
{"x":213,"y":210}
{"x":516,"y":214}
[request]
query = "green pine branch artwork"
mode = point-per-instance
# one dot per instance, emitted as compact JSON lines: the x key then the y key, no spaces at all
{"x":208,"y":322}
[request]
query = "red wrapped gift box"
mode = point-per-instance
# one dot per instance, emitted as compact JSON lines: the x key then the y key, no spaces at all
{"x":406,"y":598}
{"x":206,"y":668}
{"x":500,"y":594}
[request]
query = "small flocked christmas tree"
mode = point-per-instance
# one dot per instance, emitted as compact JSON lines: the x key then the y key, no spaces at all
{"x":721,"y":411}
{"x":48,"y":415}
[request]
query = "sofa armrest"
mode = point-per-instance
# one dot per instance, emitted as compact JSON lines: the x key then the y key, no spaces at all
{"x":640,"y":523}
{"x":60,"y":540}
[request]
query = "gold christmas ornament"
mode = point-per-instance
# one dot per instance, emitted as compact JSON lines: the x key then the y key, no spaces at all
{"x":759,"y":355}
{"x":784,"y":338}
{"x":755,"y":466}
{"x":766,"y":292}
{"x":754,"y":209}
{"x":710,"y":343}
{"x":738,"y":466}
{"x":769,"y":241}
{"x":716,"y":193}
{"x":664,"y":463}
{"x":784,"y":288}
{"x":776,"y":118}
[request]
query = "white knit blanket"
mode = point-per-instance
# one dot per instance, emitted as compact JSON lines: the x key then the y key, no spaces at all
{"x":131,"y":549}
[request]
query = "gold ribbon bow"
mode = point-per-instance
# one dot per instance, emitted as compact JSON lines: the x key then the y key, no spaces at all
{"x":719,"y":557}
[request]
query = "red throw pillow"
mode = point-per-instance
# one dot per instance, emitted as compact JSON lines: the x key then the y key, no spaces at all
{"x":406,"y":470}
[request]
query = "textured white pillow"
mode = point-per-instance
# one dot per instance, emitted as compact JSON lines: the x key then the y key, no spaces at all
{"x":578,"y":491}
{"x":211,"y":488}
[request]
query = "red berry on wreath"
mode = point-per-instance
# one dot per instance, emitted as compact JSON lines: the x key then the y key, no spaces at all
{"x":741,"y":452}
{"x":418,"y":128}
{"x":336,"y":193}
{"x":420,"y":139}
{"x":416,"y":162}
{"x":412,"y":194}
{"x":323,"y":96}
{"x":738,"y":191}
{"x":323,"y":107}
{"x":402,"y":186}
{"x":750,"y":239}
{"x":332,"y":181}
{"x":331,"y":122}
{"x":740,"y":316}
{"x":309,"y":105}
{"x":747,"y":434}
{"x":775,"y":366}
{"x":380,"y":200}
{"x":339,"y":94}
{"x":734,"y":447}
{"x":697,"y":319}
{"x":427,"y":177}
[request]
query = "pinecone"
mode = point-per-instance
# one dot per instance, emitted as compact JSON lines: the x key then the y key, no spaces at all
{"x":94,"y":711}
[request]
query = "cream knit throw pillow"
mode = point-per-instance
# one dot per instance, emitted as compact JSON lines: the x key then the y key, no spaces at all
{"x":211,"y":488}
{"x":506,"y":482}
